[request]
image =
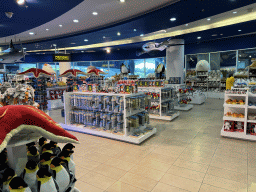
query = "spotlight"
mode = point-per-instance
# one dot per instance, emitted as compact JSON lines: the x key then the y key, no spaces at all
{"x":108,"y":50}
{"x":21,"y":2}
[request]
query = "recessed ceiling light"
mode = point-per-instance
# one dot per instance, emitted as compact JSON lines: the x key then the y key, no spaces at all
{"x":60,"y":25}
{"x":122,"y":1}
{"x":250,"y":56}
{"x":20,"y":2}
{"x":31,"y":33}
{"x":199,"y":37}
{"x":234,"y":12}
{"x":82,"y":51}
{"x":186,"y":24}
{"x":104,"y":37}
{"x":214,"y":35}
{"x":94,"y":13}
{"x":85,"y":39}
{"x":72,"y":43}
{"x":240,"y":55}
{"x":141,"y":35}
{"x":47,"y":29}
{"x":75,"y":21}
{"x":173,"y":19}
{"x":118,"y":33}
{"x":221,"y":34}
{"x":239,"y":30}
{"x":134,"y":29}
{"x":24,"y":48}
{"x":54,"y":45}
{"x":208,"y":19}
{"x":108,"y":50}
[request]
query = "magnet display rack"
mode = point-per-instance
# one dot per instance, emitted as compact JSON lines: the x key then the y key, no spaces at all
{"x":247,"y":133}
{"x":128,"y":129}
{"x":167,"y":96}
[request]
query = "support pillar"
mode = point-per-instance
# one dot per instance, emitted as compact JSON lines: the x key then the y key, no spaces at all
{"x":63,"y":67}
{"x":175,"y":60}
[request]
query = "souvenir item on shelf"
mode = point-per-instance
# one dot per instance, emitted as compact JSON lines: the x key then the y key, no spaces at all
{"x":239,"y":126}
{"x":251,"y":116}
{"x":29,"y":175}
{"x":18,"y":184}
{"x":45,"y":181}
{"x":228,"y":126}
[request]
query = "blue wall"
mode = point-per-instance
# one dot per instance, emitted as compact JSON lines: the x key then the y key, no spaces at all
{"x":234,"y":43}
{"x":240,"y":42}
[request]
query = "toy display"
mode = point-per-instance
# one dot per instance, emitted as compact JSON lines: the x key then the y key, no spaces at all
{"x":150,"y":83}
{"x":236,"y":91}
{"x":174,"y":80}
{"x":118,"y":116}
{"x":55,"y":93}
{"x":233,"y":126}
{"x":251,"y":128}
{"x":104,"y":112}
{"x":36,"y":73}
{"x":235,"y":102}
{"x":235,"y":115}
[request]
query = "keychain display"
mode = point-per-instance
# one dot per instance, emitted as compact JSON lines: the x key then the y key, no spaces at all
{"x":106,"y":112}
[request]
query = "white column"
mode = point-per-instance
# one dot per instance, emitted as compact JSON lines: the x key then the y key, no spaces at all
{"x":175,"y":60}
{"x":63,"y":67}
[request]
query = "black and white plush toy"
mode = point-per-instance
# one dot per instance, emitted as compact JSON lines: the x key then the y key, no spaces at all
{"x":8,"y":175}
{"x":45,"y":181}
{"x":33,"y":154}
{"x":17,"y":184}
{"x":160,"y":71}
{"x":56,"y":149}
{"x":29,"y":175}
{"x":42,"y":142}
{"x":124,"y":69}
{"x":47,"y":148}
{"x":46,"y":159}
{"x":65,"y":156}
{"x":69,"y":147}
{"x":60,"y":174}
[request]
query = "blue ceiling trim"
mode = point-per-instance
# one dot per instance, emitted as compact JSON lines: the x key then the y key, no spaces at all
{"x":37,"y":13}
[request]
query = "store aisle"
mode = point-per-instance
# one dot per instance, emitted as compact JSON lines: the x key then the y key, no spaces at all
{"x":187,"y":154}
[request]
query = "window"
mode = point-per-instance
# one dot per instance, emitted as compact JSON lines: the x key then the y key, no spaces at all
{"x":245,"y":58}
{"x":139,"y":68}
{"x":191,"y":61}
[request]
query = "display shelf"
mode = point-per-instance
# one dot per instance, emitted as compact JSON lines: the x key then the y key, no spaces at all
{"x":225,"y":118}
{"x":135,"y":134}
{"x":130,"y":139}
{"x":166,"y":95}
{"x":251,"y":121}
{"x":235,"y":106}
{"x":252,"y":94}
{"x":251,"y":107}
{"x":164,"y":117}
{"x":185,"y":108}
{"x":236,"y":95}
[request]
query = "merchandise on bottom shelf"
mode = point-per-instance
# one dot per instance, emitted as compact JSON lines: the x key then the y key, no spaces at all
{"x":233,"y":126}
{"x":252,"y":116}
{"x":184,"y":101}
{"x":251,"y":128}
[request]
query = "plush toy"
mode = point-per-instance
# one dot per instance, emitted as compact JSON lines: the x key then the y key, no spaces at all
{"x":33,"y":154}
{"x":42,"y":141}
{"x":65,"y":156}
{"x":8,"y":175}
{"x":203,"y":65}
{"x":17,"y":184}
{"x":45,"y":182}
{"x":46,"y":159}
{"x":56,"y":149}
{"x":29,"y":175}
{"x":227,"y":125}
{"x":47,"y":148}
{"x":160,"y":71}
{"x":60,"y":174}
{"x":69,"y":147}
{"x":239,"y":125}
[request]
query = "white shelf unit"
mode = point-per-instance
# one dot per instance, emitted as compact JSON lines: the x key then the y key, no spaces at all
{"x":55,"y":103}
{"x":245,"y":109}
{"x":172,"y":98}
{"x":125,"y":136}
{"x":179,"y":107}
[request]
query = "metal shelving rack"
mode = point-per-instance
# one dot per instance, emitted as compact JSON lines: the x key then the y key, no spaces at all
{"x":125,"y":136}
{"x":172,"y":114}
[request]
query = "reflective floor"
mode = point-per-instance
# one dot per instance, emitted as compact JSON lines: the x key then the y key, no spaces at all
{"x":187,"y":154}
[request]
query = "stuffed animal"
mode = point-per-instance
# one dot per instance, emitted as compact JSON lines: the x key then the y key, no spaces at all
{"x":227,"y":125}
{"x":45,"y":182}
{"x":56,"y":149}
{"x":60,"y":174}
{"x":42,"y":141}
{"x":46,"y":159}
{"x":17,"y":184}
{"x":203,"y":65}
{"x":33,"y":154}
{"x":69,"y":147}
{"x":239,"y":125}
{"x":8,"y":175}
{"x":65,"y":156}
{"x":29,"y":175}
{"x":47,"y":148}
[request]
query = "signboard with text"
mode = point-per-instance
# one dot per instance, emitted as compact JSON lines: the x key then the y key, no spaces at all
{"x":61,"y":57}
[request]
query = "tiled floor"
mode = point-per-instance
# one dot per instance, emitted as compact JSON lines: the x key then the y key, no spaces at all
{"x":187,"y":154}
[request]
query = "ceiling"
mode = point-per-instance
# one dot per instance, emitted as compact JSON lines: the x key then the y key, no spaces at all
{"x":114,"y":17}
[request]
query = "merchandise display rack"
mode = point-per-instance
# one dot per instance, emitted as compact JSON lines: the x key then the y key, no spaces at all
{"x":127,"y":132}
{"x":169,"y":114}
{"x":249,"y":123}
{"x":54,"y":97}
{"x":180,"y":107}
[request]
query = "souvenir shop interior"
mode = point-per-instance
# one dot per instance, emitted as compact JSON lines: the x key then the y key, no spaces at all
{"x":115,"y":105}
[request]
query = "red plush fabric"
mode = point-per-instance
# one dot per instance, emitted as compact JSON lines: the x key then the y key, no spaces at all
{"x":73,"y":72}
{"x":36,"y":72}
{"x":12,"y":116}
{"x":96,"y":71}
